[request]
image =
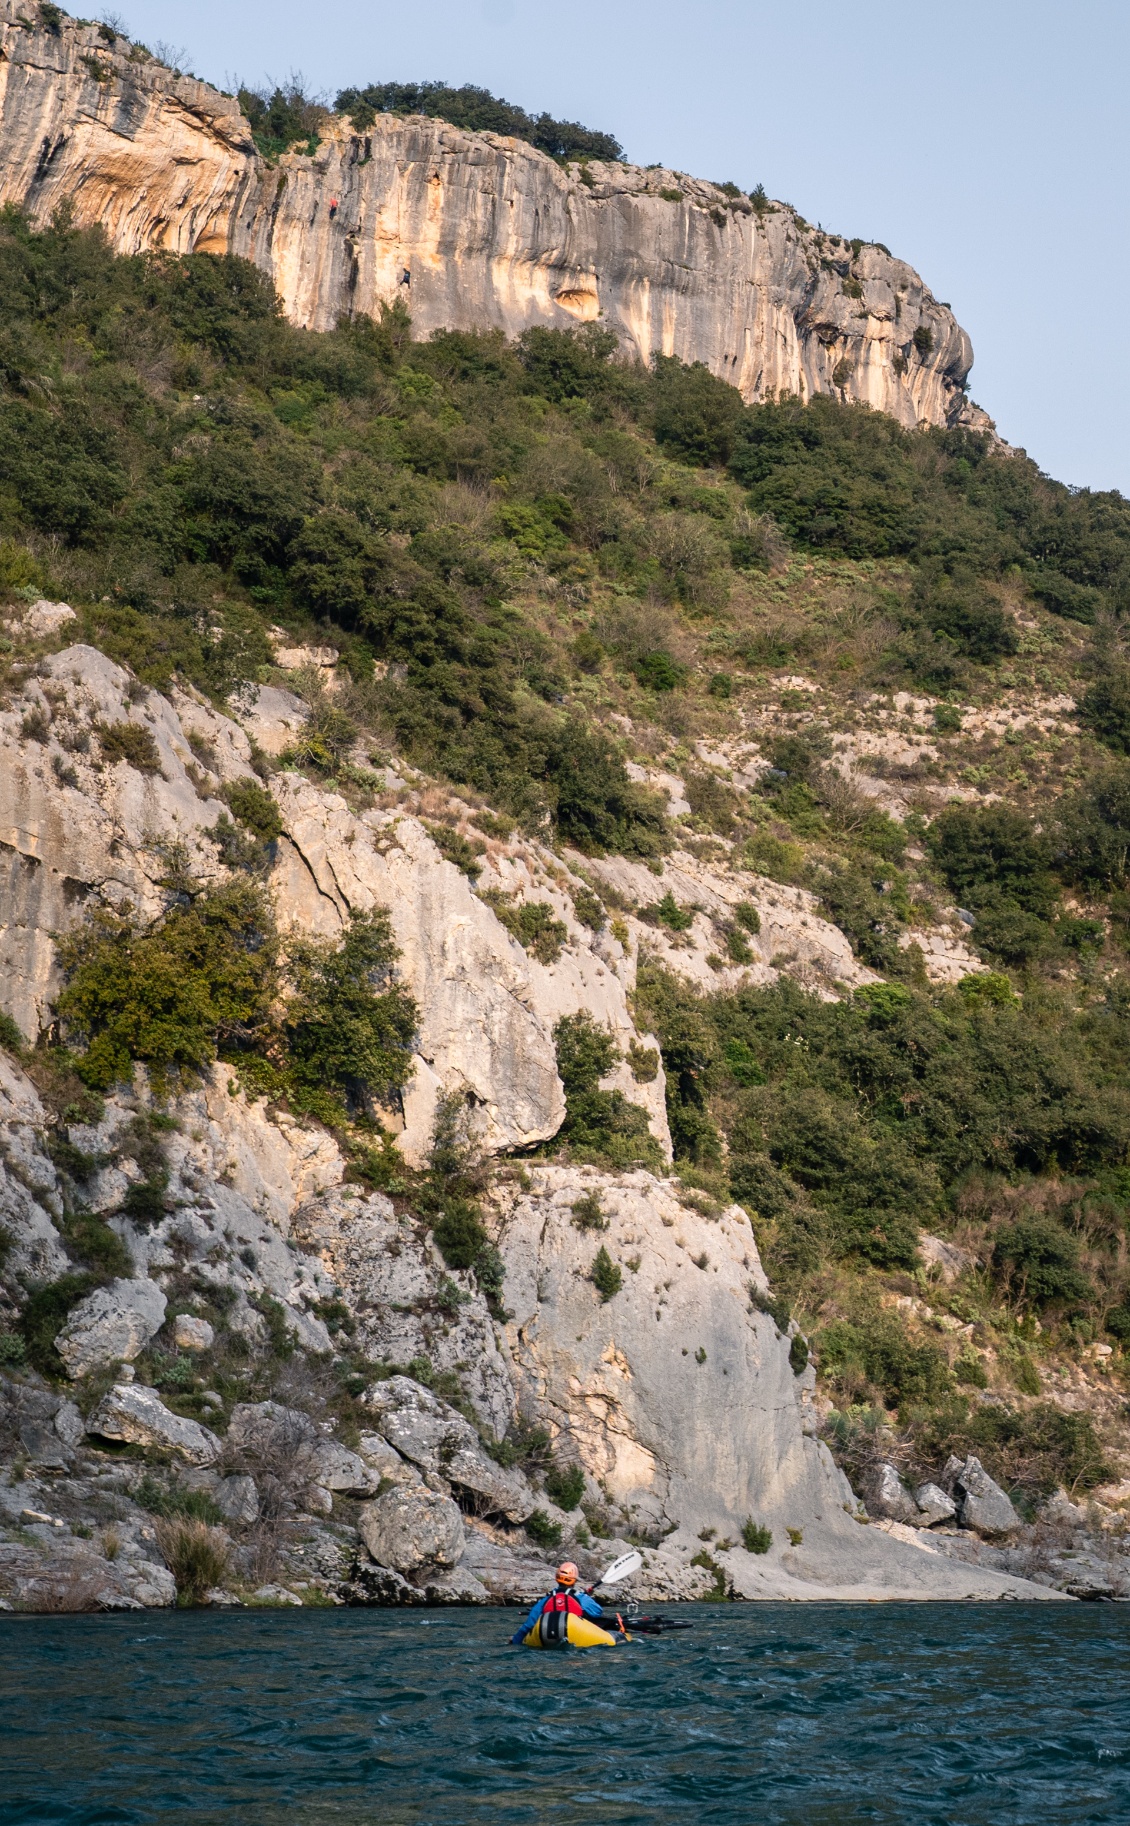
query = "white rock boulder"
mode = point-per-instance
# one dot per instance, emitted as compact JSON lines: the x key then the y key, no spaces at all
{"x":112,"y":1325}
{"x":137,"y":1415}
{"x":412,"y":1527}
{"x":191,"y":1333}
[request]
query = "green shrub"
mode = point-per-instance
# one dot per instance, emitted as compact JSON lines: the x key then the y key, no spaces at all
{"x":1026,"y":1376}
{"x":1038,"y":1264}
{"x":588,"y":909}
{"x":755,"y":1539}
{"x":880,"y":1352}
{"x":13,"y":1349}
{"x":171,"y":995}
{"x":1104,"y":708}
{"x":45,"y":1314}
{"x":458,"y":849}
{"x":350,"y":1026}
{"x":255,"y":809}
{"x":644,"y":1062}
{"x":196,"y":1555}
{"x":174,"y":1500}
{"x":588,"y":1213}
{"x":565,"y":1486}
{"x":659,"y":672}
{"x":798,"y":1355}
{"x":91,"y":1242}
{"x":540,"y":1529}
{"x":11,"y":1039}
{"x":533,"y":924}
{"x":601,"y":1127}
{"x":131,"y":743}
{"x":606,"y":1275}
{"x":667,"y":912}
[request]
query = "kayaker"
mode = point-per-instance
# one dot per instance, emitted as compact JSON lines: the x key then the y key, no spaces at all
{"x":567,"y":1597}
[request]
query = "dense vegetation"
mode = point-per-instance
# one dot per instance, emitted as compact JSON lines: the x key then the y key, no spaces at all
{"x":539,"y":562}
{"x":479,"y":112}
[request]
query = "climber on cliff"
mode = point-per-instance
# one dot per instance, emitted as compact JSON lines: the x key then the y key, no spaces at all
{"x":554,"y":1609}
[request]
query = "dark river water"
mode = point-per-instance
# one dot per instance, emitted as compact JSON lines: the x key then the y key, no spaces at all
{"x":822,"y":1715}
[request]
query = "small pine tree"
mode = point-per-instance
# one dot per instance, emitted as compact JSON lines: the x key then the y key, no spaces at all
{"x":606,"y":1275}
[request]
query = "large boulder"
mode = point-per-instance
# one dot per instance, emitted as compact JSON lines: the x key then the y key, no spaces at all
{"x":888,"y":1496}
{"x":982,"y":1504}
{"x":112,"y":1325}
{"x":287,"y":1444}
{"x":138,"y":1416}
{"x":432,"y":1435}
{"x":412,"y":1527}
{"x":934,"y":1505}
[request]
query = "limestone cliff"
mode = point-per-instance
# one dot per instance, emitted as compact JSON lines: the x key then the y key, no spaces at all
{"x":673,"y":1399}
{"x":473,"y":230}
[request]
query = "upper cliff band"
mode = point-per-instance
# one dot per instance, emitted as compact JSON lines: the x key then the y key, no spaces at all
{"x":471,"y":230}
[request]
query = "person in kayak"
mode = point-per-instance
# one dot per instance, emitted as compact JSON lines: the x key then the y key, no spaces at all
{"x":553,"y":1611}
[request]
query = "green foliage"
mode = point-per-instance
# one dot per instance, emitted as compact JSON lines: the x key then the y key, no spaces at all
{"x":588,"y":1212}
{"x":667,"y":912}
{"x":172,"y":1500}
{"x":644,"y":1062}
{"x":588,"y":909}
{"x":879,"y":1353}
{"x":13,"y":1350}
{"x":1093,"y":832}
{"x":606,"y":1275}
{"x":565,"y":1487}
{"x":45,"y":1314}
{"x":11,"y":1039}
{"x":478,"y":111}
{"x":131,"y":743}
{"x":202,"y":977}
{"x":998,"y":865}
{"x":350,"y":1026}
{"x":533,"y":924}
{"x":91,"y":1242}
{"x":658,"y":671}
{"x":282,"y":117}
{"x":600,"y":1126}
{"x":1029,"y":1450}
{"x":1104,"y":708}
{"x":1039,"y":1264}
{"x":254,"y":807}
{"x":540,"y":1529}
{"x":798,"y":1355}
{"x":755,"y":1538}
{"x":849,"y":1123}
{"x":462,"y":851}
{"x":449,"y":1200}
{"x":696,"y":416}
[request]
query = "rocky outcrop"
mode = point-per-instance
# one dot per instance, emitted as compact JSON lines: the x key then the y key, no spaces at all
{"x":137,"y":1416}
{"x":472,"y":230}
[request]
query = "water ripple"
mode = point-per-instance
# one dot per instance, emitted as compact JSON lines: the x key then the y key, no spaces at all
{"x":830,"y":1716}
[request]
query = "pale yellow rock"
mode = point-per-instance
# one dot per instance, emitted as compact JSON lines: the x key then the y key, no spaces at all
{"x":471,"y":230}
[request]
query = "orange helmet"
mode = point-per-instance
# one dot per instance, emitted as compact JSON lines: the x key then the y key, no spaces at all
{"x":567,"y":1573}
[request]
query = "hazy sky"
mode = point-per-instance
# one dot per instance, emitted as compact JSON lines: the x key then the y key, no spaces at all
{"x":984,"y":141}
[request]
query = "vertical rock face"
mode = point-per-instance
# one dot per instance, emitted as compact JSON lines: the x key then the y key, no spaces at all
{"x":472,"y":230}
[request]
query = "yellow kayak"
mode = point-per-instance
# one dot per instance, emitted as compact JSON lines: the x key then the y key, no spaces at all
{"x":578,"y":1632}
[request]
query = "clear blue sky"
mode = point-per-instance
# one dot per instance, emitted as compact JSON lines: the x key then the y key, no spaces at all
{"x":985,"y":141}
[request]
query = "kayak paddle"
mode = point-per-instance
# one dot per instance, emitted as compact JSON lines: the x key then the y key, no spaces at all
{"x":623,"y":1568}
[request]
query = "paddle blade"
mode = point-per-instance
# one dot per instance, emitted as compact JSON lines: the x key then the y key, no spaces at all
{"x":623,"y":1568}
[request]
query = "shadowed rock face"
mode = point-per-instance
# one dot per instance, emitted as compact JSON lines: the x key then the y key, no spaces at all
{"x":472,"y":230}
